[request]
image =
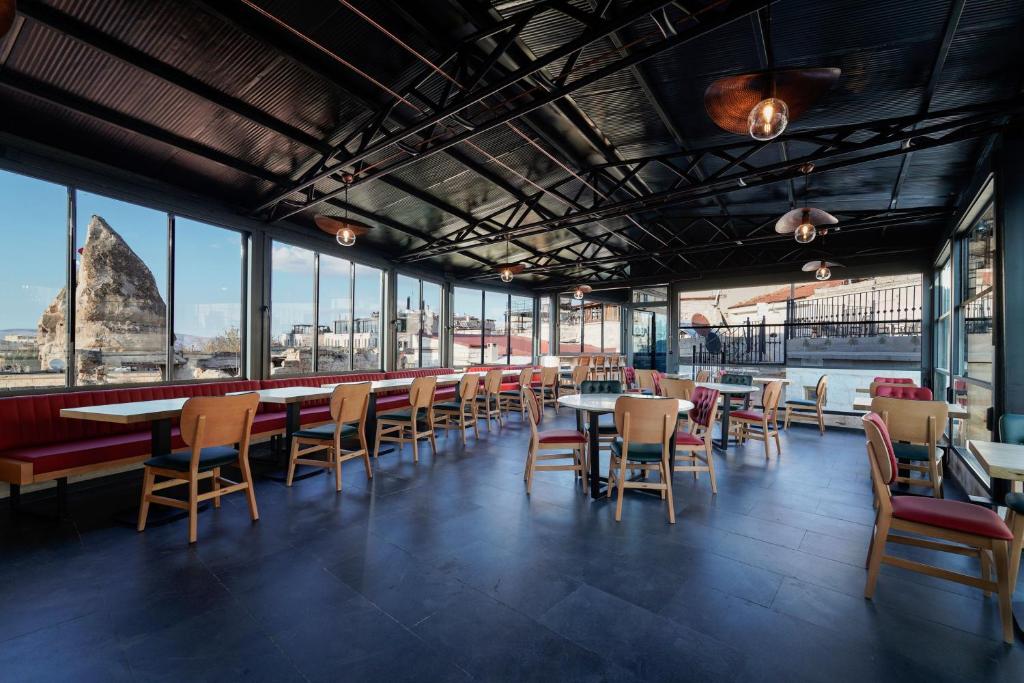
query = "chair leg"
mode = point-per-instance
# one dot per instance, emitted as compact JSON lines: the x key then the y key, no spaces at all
{"x":666,"y":476}
{"x":999,"y":550}
{"x":986,"y":568}
{"x":250,"y":491}
{"x":433,"y":444}
{"x":778,"y":445}
{"x":767,"y":442}
{"x":291,"y":462}
{"x":933,"y":472}
{"x":215,"y":483}
{"x":821,"y":421}
{"x":336,"y":454}
{"x":1017,"y":527}
{"x":193,"y":509}
{"x":789,"y":411}
{"x":877,"y":550}
{"x":366,"y":454}
{"x":376,"y":443}
{"x":476,"y":422}
{"x":711,"y":469}
{"x":530,"y":469}
{"x":622,"y":491}
{"x":147,"y":488}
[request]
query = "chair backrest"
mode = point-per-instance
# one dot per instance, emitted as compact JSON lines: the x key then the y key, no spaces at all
{"x":1011,"y":428}
{"x":705,"y":405}
{"x":821,"y":391}
{"x":880,"y":451}
{"x":492,"y":381}
{"x":533,"y":408}
{"x":703,"y":376}
{"x":738,"y":378}
{"x":579,"y":374}
{"x":469,"y":386}
{"x":548,"y":377}
{"x":645,"y":380}
{"x":894,"y":380}
{"x":628,"y":376}
{"x":421,"y":393}
{"x":583,"y":360}
{"x":218,"y":420}
{"x":904,"y":391}
{"x":919,"y":422}
{"x":678,"y":388}
{"x":599,"y":360}
{"x":770,"y":398}
{"x":349,"y":402}
{"x":646,"y":420}
{"x":874,"y":386}
{"x":526,"y":377}
{"x":600,"y":386}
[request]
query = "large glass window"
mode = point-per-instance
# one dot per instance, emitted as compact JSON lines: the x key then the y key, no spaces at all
{"x":33,"y":298}
{"x":430,"y":341}
{"x":208,"y":269}
{"x":496,"y":316}
{"x":121,"y":294}
{"x":612,"y":329}
{"x":334,"y":337}
{"x":592,"y":313}
{"x":942,"y":289}
{"x":419,"y":323}
{"x":468,"y":333}
{"x":369,"y":296}
{"x":521,"y":330}
{"x":291,"y":310}
{"x":570,"y":329}
{"x":546,"y":348}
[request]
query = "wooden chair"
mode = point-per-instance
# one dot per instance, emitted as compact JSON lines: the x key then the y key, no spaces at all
{"x":963,"y":529}
{"x":414,"y":423}
{"x":491,"y":398}
{"x":646,"y":383}
{"x":349,"y":403}
{"x":212,"y":426}
{"x":645,"y":426}
{"x":765,"y":421}
{"x":569,"y":444}
{"x":697,"y":437}
{"x":703,"y":376}
{"x":627,"y":375}
{"x":512,"y":399}
{"x":606,"y":433}
{"x":1015,"y":521}
{"x":916,"y":428}
{"x":678,"y":388}
{"x":549,"y":387}
{"x":462,"y":411}
{"x":810,"y":410}
{"x":579,"y":376}
{"x":598,"y":369}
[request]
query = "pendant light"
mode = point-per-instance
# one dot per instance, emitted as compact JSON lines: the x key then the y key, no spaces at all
{"x":581,"y":291}
{"x":507,"y":270}
{"x":345,"y":230}
{"x":804,"y":222}
{"x":822,"y":269}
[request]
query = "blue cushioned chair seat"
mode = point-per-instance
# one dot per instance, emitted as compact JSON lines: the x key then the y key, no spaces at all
{"x":406,"y":416}
{"x":908,"y":451}
{"x":209,"y":458}
{"x":802,"y":402}
{"x":638,"y":452}
{"x":1015,"y":501}
{"x":510,"y":392}
{"x":326,"y":432}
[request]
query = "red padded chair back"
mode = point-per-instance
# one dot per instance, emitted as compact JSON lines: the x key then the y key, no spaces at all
{"x":904,"y":391}
{"x":880,"y":447}
{"x":893,"y":380}
{"x":704,"y":402}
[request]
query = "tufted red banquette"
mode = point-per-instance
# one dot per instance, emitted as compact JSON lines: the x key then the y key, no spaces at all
{"x":904,"y":391}
{"x":510,"y":379}
{"x":398,"y":399}
{"x":893,"y":380}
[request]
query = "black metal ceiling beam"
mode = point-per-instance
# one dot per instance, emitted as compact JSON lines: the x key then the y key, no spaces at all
{"x":952,"y":21}
{"x":88,"y":35}
{"x":725,"y":15}
{"x":877,"y":140}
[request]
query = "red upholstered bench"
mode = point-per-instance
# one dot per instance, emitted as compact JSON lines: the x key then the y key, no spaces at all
{"x":37,"y":444}
{"x":510,"y":379}
{"x":316,"y":412}
{"x":397,"y":399}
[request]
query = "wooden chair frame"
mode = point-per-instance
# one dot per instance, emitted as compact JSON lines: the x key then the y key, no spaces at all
{"x":1015,"y":521}
{"x":645,"y":381}
{"x":920,"y":423}
{"x":681,"y":389}
{"x":510,"y":402}
{"x":492,"y":398}
{"x":598,"y":368}
{"x":206,"y":422}
{"x":468,"y":411}
{"x":557,"y":450}
{"x":803,"y":413}
{"x":398,"y":430}
{"x":692,"y":453}
{"x":579,"y":376}
{"x":765,"y":428}
{"x":642,"y":420}
{"x":349,"y":403}
{"x":988,"y":550}
{"x":549,"y":380}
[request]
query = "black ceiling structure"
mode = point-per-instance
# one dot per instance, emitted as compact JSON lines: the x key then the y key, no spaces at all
{"x":573,"y":130}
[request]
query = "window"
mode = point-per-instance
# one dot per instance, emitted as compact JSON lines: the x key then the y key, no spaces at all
{"x":208,"y":270}
{"x":612,"y":329}
{"x":546,"y":349}
{"x":942,"y":291}
{"x":291,"y":310}
{"x":367,"y":323}
{"x":569,"y":324}
{"x":521,"y":330}
{"x":496,"y":328}
{"x":418,"y":313}
{"x":592,"y":312}
{"x":644,"y":295}
{"x":33,"y":297}
{"x":468,"y":334}
{"x":430,"y":341}
{"x":121,"y":294}
{"x":334,"y":335}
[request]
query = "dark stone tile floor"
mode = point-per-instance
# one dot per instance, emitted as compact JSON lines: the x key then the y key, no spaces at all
{"x":447,"y":570}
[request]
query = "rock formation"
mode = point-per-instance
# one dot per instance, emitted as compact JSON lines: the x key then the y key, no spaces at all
{"x":120,"y":317}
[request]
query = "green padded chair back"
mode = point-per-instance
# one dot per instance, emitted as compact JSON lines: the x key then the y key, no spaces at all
{"x":745,"y":380}
{"x":1011,"y":428}
{"x":601,"y":386}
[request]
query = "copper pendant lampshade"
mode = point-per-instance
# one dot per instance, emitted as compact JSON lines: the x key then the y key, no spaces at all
{"x":780,"y":96}
{"x":344,"y":230}
{"x":507,"y":270}
{"x":8,"y":8}
{"x":791,"y":221}
{"x":581,"y":291}
{"x":822,"y":269}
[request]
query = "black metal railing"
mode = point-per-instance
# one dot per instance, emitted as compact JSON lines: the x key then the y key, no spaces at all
{"x":875,"y":306}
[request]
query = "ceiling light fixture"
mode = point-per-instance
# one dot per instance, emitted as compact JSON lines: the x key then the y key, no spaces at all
{"x":507,"y":270}
{"x":345,"y":231}
{"x":805,"y":222}
{"x":822,"y":269}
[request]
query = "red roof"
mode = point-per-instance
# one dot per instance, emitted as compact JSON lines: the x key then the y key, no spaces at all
{"x":782,"y":293}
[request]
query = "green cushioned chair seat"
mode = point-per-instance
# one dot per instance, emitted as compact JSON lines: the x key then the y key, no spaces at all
{"x":909,"y":451}
{"x":509,"y":392}
{"x":448,"y":405}
{"x":215,"y":456}
{"x":638,"y":452}
{"x":802,"y":402}
{"x":1015,"y":501}
{"x":326,"y":432}
{"x":607,"y":429}
{"x":406,"y":416}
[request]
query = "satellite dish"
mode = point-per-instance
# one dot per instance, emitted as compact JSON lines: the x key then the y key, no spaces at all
{"x":713,"y":343}
{"x":57,"y":365}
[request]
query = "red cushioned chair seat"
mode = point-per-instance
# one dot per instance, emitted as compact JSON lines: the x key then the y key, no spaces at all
{"x":69,"y":454}
{"x":952,"y":515}
{"x":561,"y":436}
{"x":755,"y":415}
{"x":688,"y":439}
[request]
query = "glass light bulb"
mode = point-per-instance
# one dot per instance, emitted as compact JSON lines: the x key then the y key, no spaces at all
{"x":768,"y":119}
{"x":578,"y":294}
{"x":506,"y":275}
{"x":823,"y":272}
{"x":804,"y":233}
{"x":346,"y":237}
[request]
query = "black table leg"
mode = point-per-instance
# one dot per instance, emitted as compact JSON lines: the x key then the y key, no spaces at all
{"x":292,"y":424}
{"x":595,"y":457}
{"x":726,"y":409}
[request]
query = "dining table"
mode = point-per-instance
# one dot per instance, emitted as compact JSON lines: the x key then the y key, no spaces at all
{"x":594,"y":406}
{"x":728,"y":391}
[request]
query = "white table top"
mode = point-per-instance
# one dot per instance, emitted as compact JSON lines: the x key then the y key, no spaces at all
{"x":864,"y":403}
{"x":288,"y":394}
{"x":728,"y":388}
{"x":404,"y":382}
{"x":1000,"y":460}
{"x":128,"y":413}
{"x":605,"y":403}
